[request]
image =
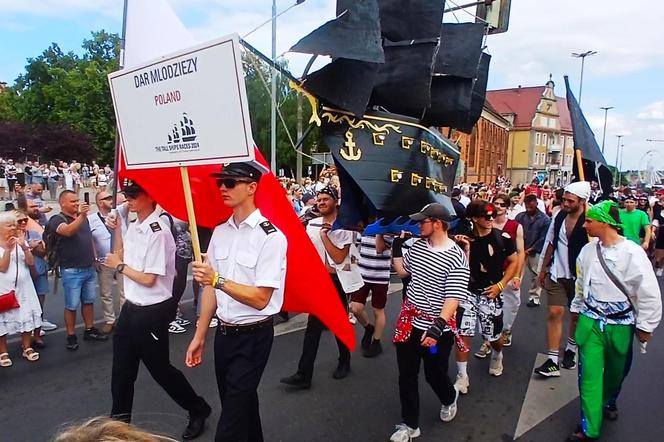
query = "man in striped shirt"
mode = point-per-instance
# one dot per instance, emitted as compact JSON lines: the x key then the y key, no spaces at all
{"x":375,"y":262}
{"x":439,"y":280}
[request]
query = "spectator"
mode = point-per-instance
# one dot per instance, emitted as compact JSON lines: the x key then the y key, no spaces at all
{"x":74,"y":249}
{"x":15,"y":276}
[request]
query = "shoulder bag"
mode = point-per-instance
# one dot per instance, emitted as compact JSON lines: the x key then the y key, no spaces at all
{"x":8,"y":301}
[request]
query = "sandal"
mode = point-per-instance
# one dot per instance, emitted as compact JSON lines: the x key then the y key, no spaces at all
{"x":30,"y":354}
{"x":4,"y":360}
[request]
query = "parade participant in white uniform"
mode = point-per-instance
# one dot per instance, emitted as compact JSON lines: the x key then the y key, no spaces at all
{"x":141,"y":334}
{"x":243,"y":278}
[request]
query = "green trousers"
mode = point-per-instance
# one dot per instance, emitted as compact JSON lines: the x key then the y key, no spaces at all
{"x":604,"y":360}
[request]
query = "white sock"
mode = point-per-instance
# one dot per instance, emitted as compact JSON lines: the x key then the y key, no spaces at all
{"x":553,"y":355}
{"x":571,"y":344}
{"x":462,"y":368}
{"x":497,"y":354}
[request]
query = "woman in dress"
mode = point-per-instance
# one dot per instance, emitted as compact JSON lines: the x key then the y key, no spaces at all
{"x":15,"y":257}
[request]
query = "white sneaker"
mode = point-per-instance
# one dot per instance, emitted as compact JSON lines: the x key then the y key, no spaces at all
{"x":351,"y":318}
{"x":214,"y":323}
{"x":404,"y":433}
{"x":48,"y":325}
{"x":496,"y":366}
{"x":660,"y":271}
{"x":182,"y":321}
{"x":448,"y":412}
{"x":176,"y":328}
{"x":462,"y":383}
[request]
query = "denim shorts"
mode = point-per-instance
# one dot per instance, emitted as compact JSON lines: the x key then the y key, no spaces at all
{"x":41,"y":284}
{"x":80,"y":285}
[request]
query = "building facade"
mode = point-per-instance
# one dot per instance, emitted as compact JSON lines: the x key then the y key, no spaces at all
{"x":484,"y":151}
{"x":540,"y":140}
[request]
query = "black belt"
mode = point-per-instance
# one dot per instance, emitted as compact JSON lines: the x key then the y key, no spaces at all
{"x":239,"y":329}
{"x":617,"y":315}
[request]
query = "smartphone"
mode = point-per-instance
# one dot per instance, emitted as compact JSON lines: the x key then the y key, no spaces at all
{"x":86,"y":197}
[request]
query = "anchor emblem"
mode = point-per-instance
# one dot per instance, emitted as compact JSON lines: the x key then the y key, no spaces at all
{"x":353,"y":153}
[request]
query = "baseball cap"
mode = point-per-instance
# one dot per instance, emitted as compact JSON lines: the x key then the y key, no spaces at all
{"x":132,"y":189}
{"x":480,"y":209}
{"x":432,"y":210}
{"x":239,"y":170}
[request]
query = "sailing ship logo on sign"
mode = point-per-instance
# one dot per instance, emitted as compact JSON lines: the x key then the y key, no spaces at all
{"x":184,"y":133}
{"x":182,"y":137}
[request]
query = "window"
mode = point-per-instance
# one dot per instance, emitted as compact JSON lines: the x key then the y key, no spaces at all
{"x":570,"y":141}
{"x":537,"y":155}
{"x":537,"y":138}
{"x":544,"y":140}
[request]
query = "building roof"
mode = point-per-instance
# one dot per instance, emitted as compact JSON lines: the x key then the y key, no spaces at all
{"x":523,"y":102}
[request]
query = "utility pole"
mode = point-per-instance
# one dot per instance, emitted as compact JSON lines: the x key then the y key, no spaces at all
{"x":606,"y":111}
{"x":273,"y":109}
{"x":617,"y":154}
{"x":582,"y":56}
{"x":622,"y":154}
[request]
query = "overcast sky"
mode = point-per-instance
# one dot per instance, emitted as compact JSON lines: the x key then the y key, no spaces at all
{"x":626,"y":73}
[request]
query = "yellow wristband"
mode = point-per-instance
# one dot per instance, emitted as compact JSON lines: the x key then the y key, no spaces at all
{"x":215,"y":280}
{"x":500,"y":286}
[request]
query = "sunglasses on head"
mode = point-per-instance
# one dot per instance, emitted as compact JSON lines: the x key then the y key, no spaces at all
{"x":230,"y":183}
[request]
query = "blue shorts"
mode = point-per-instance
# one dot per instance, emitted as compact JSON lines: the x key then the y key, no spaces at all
{"x":41,"y":284}
{"x":80,"y":285}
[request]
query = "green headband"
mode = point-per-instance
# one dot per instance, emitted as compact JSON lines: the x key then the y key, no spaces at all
{"x":600,"y":212}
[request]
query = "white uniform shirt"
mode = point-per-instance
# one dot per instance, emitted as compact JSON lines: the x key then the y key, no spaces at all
{"x":251,"y":255}
{"x":149,"y":248}
{"x":101,"y":236}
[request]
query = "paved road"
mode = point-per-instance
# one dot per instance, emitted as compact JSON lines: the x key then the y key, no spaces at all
{"x":62,"y":387}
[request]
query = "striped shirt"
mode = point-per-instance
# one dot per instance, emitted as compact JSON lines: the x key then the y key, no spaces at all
{"x":436,"y":275}
{"x":374,"y":266}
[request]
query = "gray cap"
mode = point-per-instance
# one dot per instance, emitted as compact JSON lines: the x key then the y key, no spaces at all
{"x":433,"y":210}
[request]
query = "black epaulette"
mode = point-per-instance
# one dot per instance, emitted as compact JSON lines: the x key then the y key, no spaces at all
{"x":155,"y":226}
{"x":268,"y":227}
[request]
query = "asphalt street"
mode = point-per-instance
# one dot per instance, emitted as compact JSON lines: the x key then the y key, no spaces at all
{"x":64,"y":387}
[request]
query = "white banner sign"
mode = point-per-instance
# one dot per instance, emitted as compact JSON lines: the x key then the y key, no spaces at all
{"x":184,"y":109}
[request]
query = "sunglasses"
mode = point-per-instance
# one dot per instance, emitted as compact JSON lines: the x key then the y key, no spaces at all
{"x":230,"y":183}
{"x":500,"y":204}
{"x":488,"y":217}
{"x":22,"y":220}
{"x":107,"y":198}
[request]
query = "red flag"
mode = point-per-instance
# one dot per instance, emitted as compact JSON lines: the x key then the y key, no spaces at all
{"x":308,"y":288}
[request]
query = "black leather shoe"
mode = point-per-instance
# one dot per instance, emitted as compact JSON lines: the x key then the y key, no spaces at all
{"x":196,"y":424}
{"x":341,"y":371}
{"x":297,"y":382}
{"x":611,"y":413}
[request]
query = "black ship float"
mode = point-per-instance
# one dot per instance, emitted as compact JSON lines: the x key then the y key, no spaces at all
{"x":398,"y":73}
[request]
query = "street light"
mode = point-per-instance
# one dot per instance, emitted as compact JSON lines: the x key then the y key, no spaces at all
{"x":582,"y":56}
{"x":606,"y":111}
{"x":617,"y":153}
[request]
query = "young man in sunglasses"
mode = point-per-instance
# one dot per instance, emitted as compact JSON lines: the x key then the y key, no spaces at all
{"x":493,"y":263}
{"x":557,"y":273}
{"x":243,"y":281}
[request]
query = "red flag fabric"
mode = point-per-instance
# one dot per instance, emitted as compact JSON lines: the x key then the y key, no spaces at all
{"x":309,"y":288}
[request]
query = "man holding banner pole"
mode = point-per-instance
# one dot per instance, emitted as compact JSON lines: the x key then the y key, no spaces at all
{"x":243,"y":277}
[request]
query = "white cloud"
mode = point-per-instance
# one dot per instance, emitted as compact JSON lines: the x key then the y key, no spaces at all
{"x":654,"y":111}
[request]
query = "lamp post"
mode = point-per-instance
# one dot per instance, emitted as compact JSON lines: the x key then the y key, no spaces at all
{"x":606,"y":112}
{"x":617,"y":154}
{"x":582,"y":56}
{"x":622,"y":154}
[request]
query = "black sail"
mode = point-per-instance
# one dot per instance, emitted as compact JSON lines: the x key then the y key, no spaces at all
{"x":410,"y":19}
{"x":354,"y":34}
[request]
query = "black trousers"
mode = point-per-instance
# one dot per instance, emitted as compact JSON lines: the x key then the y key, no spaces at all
{"x":180,"y":281}
{"x":141,"y":334}
{"x":409,"y":355}
{"x":312,"y":338}
{"x":239,"y":362}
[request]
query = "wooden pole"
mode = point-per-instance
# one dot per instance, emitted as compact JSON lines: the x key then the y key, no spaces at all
{"x":579,"y":162}
{"x":186,"y":186}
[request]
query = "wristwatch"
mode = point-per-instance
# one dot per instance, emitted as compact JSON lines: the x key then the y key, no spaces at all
{"x":220,"y":282}
{"x":120,"y":267}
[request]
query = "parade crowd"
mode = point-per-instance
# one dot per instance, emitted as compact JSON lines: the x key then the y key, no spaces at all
{"x":593,"y":259}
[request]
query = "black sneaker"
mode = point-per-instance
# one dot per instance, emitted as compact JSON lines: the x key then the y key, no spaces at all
{"x":532,"y":303}
{"x":548,"y":369}
{"x":72,"y":343}
{"x":297,"y":382}
{"x":368,"y":335}
{"x":196,"y":424}
{"x":92,"y":334}
{"x":611,"y":413}
{"x":569,"y":360}
{"x":341,"y":371}
{"x":374,"y":349}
